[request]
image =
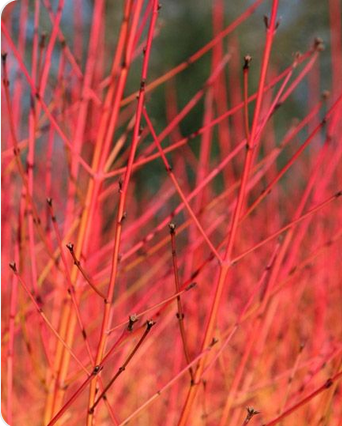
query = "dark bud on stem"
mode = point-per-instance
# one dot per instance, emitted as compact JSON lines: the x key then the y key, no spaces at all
{"x":247,"y":62}
{"x":266,"y":22}
{"x":13,"y":266}
{"x":329,"y":383}
{"x":250,"y":413}
{"x":277,"y":106}
{"x":70,"y":246}
{"x":132,"y":319}
{"x":120,"y":185}
{"x":318,"y":44}
{"x":97,"y":369}
{"x":194,"y":274}
{"x":213,"y":342}
{"x":39,"y":300}
{"x":4,"y":57}
{"x":172,"y":228}
{"x":123,"y":217}
{"x":190,"y":286}
{"x":150,"y":324}
{"x":49,"y":201}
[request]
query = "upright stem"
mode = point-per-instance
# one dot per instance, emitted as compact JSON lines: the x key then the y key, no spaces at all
{"x":225,"y":265}
{"x":121,"y":214}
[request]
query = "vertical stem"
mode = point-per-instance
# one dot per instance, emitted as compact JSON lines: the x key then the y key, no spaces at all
{"x":225,"y":265}
{"x":121,"y":211}
{"x":180,"y":311}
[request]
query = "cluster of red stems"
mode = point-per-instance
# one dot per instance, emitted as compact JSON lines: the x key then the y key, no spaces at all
{"x":186,"y":302}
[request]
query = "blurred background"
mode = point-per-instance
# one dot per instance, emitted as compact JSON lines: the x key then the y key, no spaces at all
{"x":183,"y":27}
